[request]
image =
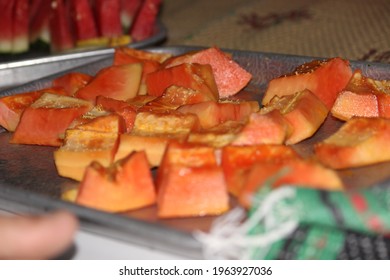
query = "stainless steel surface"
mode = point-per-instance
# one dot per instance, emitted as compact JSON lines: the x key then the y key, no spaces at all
{"x":29,"y":181}
{"x":19,"y":72}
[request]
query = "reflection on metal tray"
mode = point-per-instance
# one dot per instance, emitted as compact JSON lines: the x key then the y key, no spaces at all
{"x":29,"y":181}
{"x":31,"y":66}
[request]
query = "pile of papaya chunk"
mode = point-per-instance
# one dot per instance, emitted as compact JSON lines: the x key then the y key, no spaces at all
{"x":171,"y":131}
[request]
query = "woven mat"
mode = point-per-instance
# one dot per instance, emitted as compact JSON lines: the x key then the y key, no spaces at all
{"x":352,"y":29}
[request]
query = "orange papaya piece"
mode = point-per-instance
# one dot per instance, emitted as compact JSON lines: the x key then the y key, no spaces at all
{"x":72,"y":82}
{"x":325,"y":78}
{"x":263,"y":128}
{"x":363,"y":97}
{"x":45,"y":121}
{"x":123,"y":186}
{"x":190,"y":183}
{"x":359,"y":142}
{"x":193,"y":76}
{"x":122,"y":108}
{"x":303,"y":111}
{"x":118,"y":82}
{"x":211,"y":113}
{"x":293,"y":171}
{"x":236,"y":161}
{"x":230,"y":77}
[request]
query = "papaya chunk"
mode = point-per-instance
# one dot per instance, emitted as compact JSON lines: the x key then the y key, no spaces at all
{"x":290,"y":171}
{"x":211,"y":113}
{"x":153,"y":145}
{"x":123,"y":186}
{"x":303,"y":111}
{"x":236,"y":161}
{"x":147,"y":123}
{"x":324,"y":78}
{"x":190,"y":183}
{"x":150,"y":62}
{"x":118,"y":82}
{"x":91,"y":139}
{"x":363,"y":97}
{"x":359,"y":142}
{"x":12,"y":107}
{"x":193,"y":76}
{"x":122,"y":108}
{"x":72,"y":82}
{"x":45,"y":121}
{"x":217,"y":136}
{"x":230,"y":77}
{"x":263,"y":128}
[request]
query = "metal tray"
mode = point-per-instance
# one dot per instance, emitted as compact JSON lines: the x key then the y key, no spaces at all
{"x":20,"y":69}
{"x":29,"y":181}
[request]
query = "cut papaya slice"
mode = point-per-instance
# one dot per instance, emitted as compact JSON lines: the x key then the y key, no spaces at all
{"x":122,"y":108}
{"x":230,"y":77}
{"x":12,"y":107}
{"x":363,"y":97}
{"x":88,"y":141}
{"x":324,"y":78}
{"x":118,"y":82}
{"x":217,"y":136}
{"x":72,"y":82}
{"x":236,"y":161}
{"x":150,"y":62}
{"x":359,"y":142}
{"x":267,"y":128}
{"x":45,"y":121}
{"x":303,"y":111}
{"x":154,"y":123}
{"x":194,"y":76}
{"x":293,"y":171}
{"x":211,"y":113}
{"x":125,"y":185}
{"x":190,"y":183}
{"x":153,"y":145}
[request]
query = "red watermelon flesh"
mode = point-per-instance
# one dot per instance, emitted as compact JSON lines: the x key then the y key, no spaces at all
{"x":129,"y":9}
{"x":6,"y":20}
{"x":20,"y":40}
{"x":143,"y":26}
{"x":39,"y":20}
{"x":83,"y":20}
{"x":60,"y":30}
{"x":108,"y":17}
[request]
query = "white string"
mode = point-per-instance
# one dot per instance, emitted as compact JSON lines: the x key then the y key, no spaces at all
{"x":228,"y":236}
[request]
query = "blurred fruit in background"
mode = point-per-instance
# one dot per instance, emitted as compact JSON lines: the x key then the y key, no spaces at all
{"x":67,"y":25}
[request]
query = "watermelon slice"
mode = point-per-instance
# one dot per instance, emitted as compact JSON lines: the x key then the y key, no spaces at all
{"x":60,"y":30}
{"x":129,"y":9}
{"x":40,"y":11}
{"x":143,"y":26}
{"x":108,"y":17}
{"x":83,"y":20}
{"x":6,"y":20}
{"x":20,"y":40}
